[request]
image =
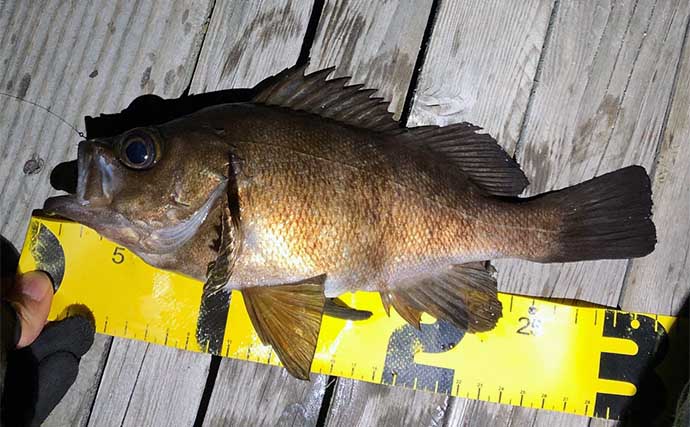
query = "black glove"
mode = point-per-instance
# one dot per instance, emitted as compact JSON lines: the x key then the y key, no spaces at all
{"x":37,"y":377}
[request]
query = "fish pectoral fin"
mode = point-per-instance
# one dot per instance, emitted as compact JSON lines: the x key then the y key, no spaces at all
{"x":338,"y":309}
{"x":463,"y":294}
{"x":288,"y":317}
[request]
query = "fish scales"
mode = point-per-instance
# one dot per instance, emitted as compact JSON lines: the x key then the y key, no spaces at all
{"x":313,"y":190}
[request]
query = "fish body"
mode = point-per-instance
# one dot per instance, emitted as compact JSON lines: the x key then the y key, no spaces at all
{"x":312,"y":190}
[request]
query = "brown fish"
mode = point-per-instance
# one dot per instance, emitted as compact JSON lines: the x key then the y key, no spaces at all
{"x":313,"y":190}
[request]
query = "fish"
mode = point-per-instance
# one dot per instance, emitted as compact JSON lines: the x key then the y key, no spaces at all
{"x":312,"y":189}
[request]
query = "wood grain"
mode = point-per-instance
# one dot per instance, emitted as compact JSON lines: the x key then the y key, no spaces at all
{"x":660,"y":282}
{"x":374,"y":42}
{"x":357,"y":403}
{"x":247,"y":42}
{"x":600,"y":104}
{"x":146,"y":384}
{"x":480,"y":66}
{"x":80,"y":58}
{"x":268,"y":396}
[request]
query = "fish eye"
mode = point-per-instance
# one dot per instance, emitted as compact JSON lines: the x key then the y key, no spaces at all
{"x":138,"y":151}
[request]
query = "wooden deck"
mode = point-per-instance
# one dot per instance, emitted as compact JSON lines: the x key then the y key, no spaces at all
{"x":574,"y":89}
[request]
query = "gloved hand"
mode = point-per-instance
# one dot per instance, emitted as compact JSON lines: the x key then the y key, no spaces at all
{"x":38,"y":362}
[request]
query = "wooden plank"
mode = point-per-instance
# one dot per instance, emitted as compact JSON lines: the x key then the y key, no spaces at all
{"x":247,"y":42}
{"x":252,"y":394}
{"x":475,"y":73}
{"x":356,"y":403}
{"x":481,"y":63}
{"x":146,"y":382}
{"x":376,"y":43}
{"x":78,"y":59}
{"x":660,"y":282}
{"x":600,"y":104}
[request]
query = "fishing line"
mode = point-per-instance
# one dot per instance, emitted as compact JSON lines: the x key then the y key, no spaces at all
{"x":46,"y":109}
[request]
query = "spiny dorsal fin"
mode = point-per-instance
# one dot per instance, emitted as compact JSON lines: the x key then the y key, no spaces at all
{"x":288,"y":317}
{"x":478,"y":155}
{"x":332,"y":99}
{"x":464,"y":295}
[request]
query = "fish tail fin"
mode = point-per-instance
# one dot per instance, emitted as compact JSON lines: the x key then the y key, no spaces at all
{"x":607,"y":217}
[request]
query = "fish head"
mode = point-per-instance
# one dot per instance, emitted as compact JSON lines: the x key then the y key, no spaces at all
{"x":149,"y":189}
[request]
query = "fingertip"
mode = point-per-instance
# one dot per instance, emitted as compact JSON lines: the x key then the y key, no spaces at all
{"x":36,"y":285}
{"x":32,"y":299}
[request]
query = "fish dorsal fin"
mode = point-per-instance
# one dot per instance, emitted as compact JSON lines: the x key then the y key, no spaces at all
{"x":478,"y":155}
{"x":333,"y":99}
{"x":288,"y":317}
{"x":464,"y":295}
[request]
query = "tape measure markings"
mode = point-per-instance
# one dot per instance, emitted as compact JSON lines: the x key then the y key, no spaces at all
{"x":543,"y":354}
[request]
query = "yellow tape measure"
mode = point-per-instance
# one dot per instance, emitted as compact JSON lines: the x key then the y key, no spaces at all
{"x":542,"y":354}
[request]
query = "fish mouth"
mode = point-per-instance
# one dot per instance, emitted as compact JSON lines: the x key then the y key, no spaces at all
{"x":92,"y":195}
{"x":107,"y":222}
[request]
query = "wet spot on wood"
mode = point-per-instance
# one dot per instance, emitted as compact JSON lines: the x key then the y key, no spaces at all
{"x":93,"y":74}
{"x":187,"y":27}
{"x":185,"y":15}
{"x":145,"y":77}
{"x":610,"y":107}
{"x":24,"y":85}
{"x":169,"y":80}
{"x":269,"y":25}
{"x":33,"y":165}
{"x":10,"y":85}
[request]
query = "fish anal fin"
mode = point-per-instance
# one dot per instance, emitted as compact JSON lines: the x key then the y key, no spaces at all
{"x":288,"y":317}
{"x":464,"y":295}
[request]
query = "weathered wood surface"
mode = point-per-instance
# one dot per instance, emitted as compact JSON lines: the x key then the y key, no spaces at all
{"x":481,"y":64}
{"x":660,"y":282}
{"x":600,"y":104}
{"x":250,"y":394}
{"x":248,"y":41}
{"x":374,"y":42}
{"x":70,"y":57}
{"x":480,"y":67}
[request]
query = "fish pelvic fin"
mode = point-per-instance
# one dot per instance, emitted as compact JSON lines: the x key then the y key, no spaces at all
{"x":607,"y":217}
{"x":288,"y":317}
{"x":464,"y":295}
{"x":338,"y":309}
